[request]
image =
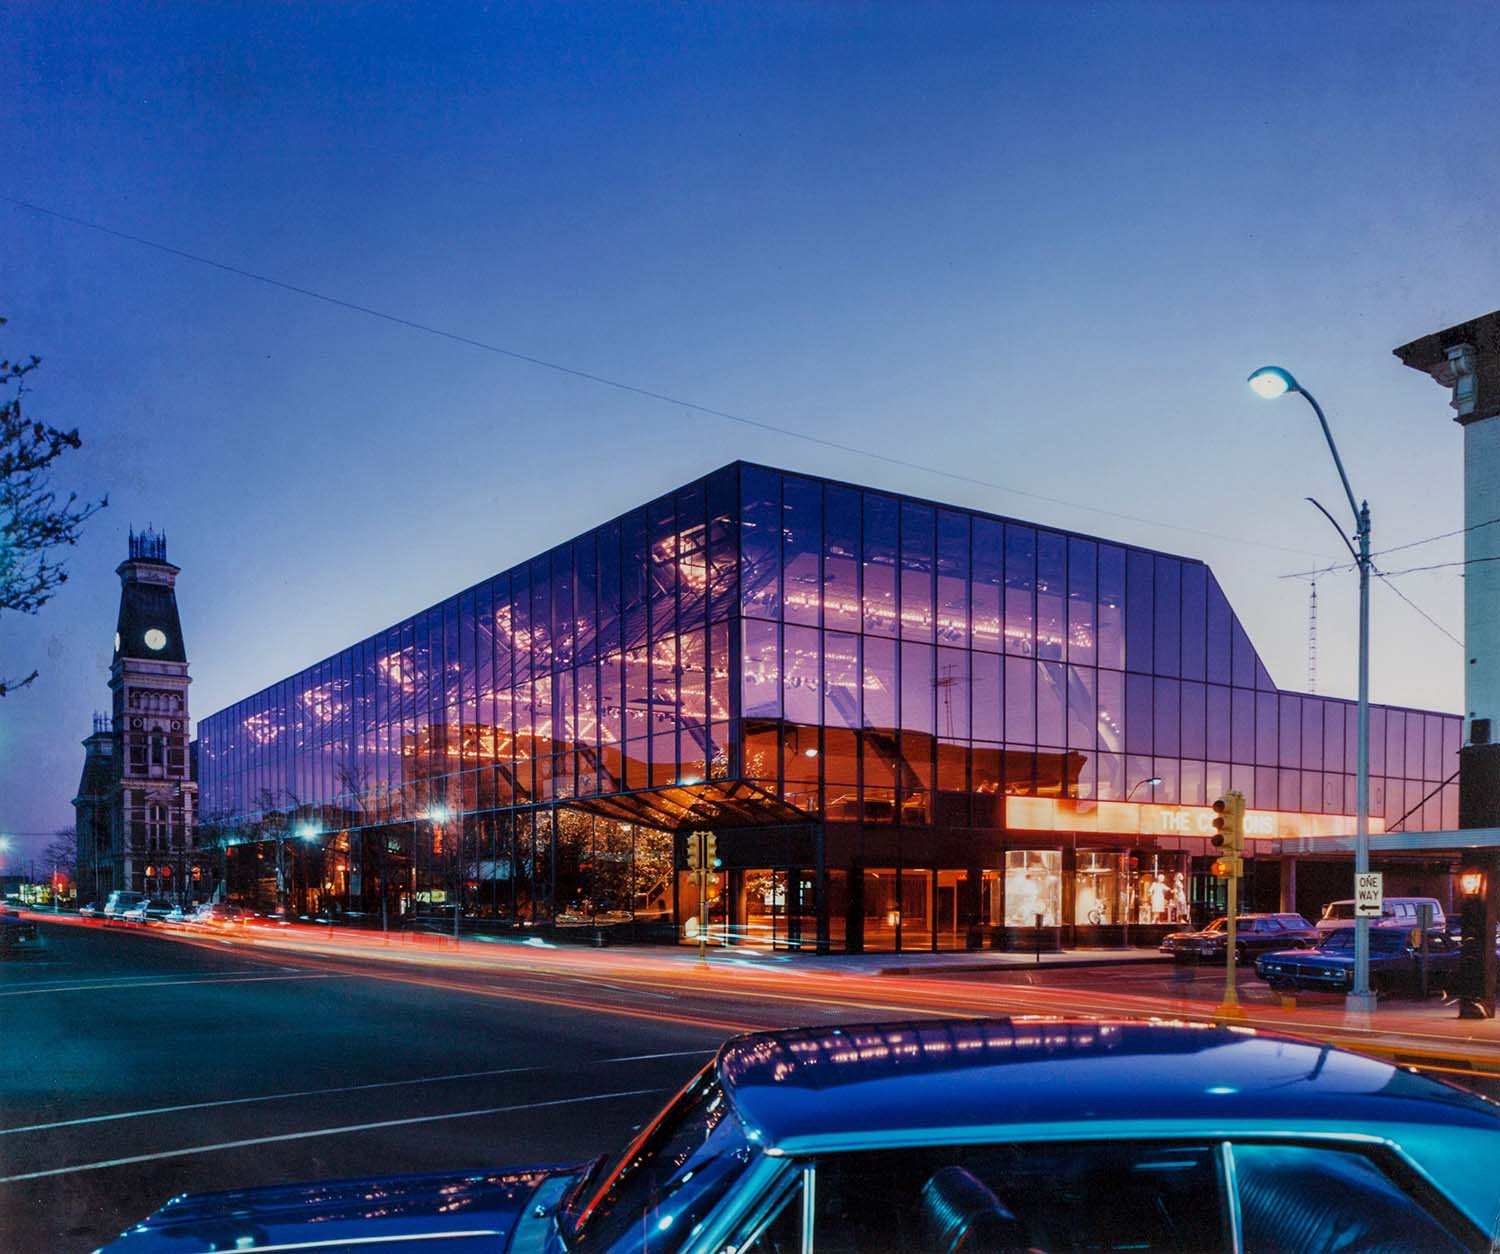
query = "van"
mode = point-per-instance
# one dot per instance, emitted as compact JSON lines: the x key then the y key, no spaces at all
{"x":1396,"y":912}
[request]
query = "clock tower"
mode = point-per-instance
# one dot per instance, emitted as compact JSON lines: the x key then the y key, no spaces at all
{"x":155,"y":798}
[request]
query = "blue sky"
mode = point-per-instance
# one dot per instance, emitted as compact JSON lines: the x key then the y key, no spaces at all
{"x":1037,"y":244}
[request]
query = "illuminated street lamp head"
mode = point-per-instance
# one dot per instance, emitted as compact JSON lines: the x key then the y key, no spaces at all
{"x":1272,"y":381}
{"x":438,"y":814}
{"x":306,"y":831}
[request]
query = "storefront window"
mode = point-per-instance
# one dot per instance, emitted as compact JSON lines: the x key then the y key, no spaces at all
{"x":1033,"y":886}
{"x":1158,"y":889}
{"x":1098,"y":889}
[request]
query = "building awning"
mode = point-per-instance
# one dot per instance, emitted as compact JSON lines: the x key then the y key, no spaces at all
{"x":1401,"y":842}
{"x":688,"y":807}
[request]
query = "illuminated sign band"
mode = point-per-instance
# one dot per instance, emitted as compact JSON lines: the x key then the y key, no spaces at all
{"x":1132,"y":818}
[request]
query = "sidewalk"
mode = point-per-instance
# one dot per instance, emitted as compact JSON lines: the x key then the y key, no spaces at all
{"x":946,"y":963}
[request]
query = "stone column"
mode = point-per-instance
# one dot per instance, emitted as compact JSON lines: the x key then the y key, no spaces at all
{"x":1288,"y":884}
{"x":1466,"y":360}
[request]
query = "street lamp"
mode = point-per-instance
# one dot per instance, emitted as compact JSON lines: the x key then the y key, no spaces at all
{"x":1128,"y":898}
{"x":438,"y":815}
{"x":1270,"y":382}
{"x":304,"y":831}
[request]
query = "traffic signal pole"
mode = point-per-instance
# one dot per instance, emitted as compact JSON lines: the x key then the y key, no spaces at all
{"x":702,"y":898}
{"x":1229,"y":835}
{"x":703,"y":857}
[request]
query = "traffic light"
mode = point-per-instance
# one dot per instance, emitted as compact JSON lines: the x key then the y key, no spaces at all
{"x":1229,"y":835}
{"x":703,"y":852}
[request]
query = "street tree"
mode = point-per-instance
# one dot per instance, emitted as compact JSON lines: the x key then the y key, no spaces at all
{"x":35,"y":524}
{"x":62,"y":853}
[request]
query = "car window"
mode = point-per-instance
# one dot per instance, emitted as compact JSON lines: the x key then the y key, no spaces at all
{"x":779,"y":1231}
{"x":667,"y":1179}
{"x":1047,"y":1197}
{"x":1304,"y":1197}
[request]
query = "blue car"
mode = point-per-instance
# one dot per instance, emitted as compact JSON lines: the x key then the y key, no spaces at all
{"x":972,"y":1135}
{"x":1395,"y":963}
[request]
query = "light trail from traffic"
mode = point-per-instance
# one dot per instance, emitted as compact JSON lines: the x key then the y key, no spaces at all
{"x":785,"y":984}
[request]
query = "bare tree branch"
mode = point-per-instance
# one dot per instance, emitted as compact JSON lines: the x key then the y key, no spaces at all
{"x":34,"y":523}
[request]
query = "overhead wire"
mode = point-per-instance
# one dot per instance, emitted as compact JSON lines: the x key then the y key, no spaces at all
{"x":1383,"y":579}
{"x":1399,"y":548}
{"x":630,"y":388}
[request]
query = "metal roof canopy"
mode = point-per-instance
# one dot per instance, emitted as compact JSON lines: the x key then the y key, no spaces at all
{"x":1397,"y":842}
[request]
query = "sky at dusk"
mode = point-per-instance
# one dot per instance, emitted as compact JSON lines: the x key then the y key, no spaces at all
{"x":1035,"y":245}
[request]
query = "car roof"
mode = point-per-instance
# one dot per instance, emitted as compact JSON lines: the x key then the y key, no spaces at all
{"x":935,"y":1082}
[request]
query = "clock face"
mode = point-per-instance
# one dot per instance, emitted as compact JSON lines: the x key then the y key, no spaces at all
{"x":156,"y":638}
{"x":117,"y":642}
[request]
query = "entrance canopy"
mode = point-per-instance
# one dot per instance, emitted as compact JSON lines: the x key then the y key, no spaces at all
{"x":688,"y":807}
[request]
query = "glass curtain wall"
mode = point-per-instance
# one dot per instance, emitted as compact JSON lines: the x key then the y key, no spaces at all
{"x":866,"y":658}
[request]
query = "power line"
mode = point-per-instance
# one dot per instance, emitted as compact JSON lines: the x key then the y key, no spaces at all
{"x":1462,"y":531}
{"x":1413,"y":570}
{"x":1419,"y":609}
{"x":630,"y":388}
{"x":1446,"y":535}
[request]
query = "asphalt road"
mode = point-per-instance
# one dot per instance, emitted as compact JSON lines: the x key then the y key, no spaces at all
{"x":143,"y":1064}
{"x":139,"y":1067}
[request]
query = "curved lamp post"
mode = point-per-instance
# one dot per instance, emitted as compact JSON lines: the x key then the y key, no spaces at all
{"x":438,"y":815}
{"x":1154,"y":782}
{"x":1270,"y":382}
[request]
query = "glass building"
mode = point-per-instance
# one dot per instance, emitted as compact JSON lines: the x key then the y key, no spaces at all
{"x":910,"y":725}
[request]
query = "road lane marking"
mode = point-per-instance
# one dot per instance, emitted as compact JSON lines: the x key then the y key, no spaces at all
{"x":114,"y":980}
{"x":190,"y":1150}
{"x":676,"y":1053}
{"x":345,"y":1088}
{"x":146,"y":985}
{"x":269,"y":1097}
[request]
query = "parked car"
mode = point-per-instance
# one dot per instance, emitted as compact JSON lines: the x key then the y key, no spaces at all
{"x":1397,"y":911}
{"x":120,"y":903}
{"x":159,"y":911}
{"x":89,"y":910}
{"x":1254,"y":934}
{"x":1008,"y":1134}
{"x":17,"y":933}
{"x":1395,"y":963}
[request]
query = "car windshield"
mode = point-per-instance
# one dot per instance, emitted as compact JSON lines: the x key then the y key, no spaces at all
{"x":665,"y":1180}
{"x":1339,"y":910}
{"x":1218,"y":925}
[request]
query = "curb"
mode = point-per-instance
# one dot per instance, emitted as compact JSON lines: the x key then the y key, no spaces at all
{"x":951,"y":968}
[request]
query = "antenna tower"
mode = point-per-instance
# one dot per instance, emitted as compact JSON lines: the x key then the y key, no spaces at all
{"x":1312,"y":637}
